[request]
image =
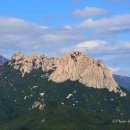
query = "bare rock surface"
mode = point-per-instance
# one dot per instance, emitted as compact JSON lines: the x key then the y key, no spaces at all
{"x":73,"y":66}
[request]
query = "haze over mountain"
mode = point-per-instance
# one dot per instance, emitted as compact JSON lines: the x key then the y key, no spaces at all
{"x":2,"y":60}
{"x":123,"y":81}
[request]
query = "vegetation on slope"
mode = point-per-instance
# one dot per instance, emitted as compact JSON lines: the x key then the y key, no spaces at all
{"x":68,"y":106}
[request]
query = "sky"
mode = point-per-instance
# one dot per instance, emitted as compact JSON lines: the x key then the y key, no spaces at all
{"x":99,"y":28}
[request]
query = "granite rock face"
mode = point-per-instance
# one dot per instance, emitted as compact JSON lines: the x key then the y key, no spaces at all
{"x":73,"y":66}
{"x":26,"y":63}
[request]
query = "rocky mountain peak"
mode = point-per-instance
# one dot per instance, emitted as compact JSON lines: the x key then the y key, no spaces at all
{"x":75,"y":54}
{"x":21,"y":56}
{"x":73,"y":66}
{"x":26,"y":63}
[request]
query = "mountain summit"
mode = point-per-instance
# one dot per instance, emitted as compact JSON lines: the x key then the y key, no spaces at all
{"x":73,"y":66}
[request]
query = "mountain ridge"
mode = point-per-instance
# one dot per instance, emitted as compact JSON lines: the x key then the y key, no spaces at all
{"x":3,"y":60}
{"x":123,"y":81}
{"x":34,"y":102}
{"x":73,"y":66}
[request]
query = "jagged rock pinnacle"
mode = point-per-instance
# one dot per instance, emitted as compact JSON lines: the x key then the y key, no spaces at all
{"x":73,"y":66}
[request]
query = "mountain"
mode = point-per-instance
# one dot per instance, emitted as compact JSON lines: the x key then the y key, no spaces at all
{"x":73,"y":66}
{"x":32,"y":98}
{"x":3,"y":60}
{"x":123,"y":81}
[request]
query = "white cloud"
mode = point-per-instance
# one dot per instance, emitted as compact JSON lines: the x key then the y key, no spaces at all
{"x":119,"y":23}
{"x":92,"y":44}
{"x":104,"y":48}
{"x":101,"y":49}
{"x":19,"y":35}
{"x":89,"y":11}
{"x":128,"y":45}
{"x":114,"y":70}
{"x":121,"y":71}
{"x":68,"y":27}
{"x":59,"y":37}
{"x":14,"y":25}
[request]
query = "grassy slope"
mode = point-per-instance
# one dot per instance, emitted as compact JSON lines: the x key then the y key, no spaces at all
{"x":87,"y":109}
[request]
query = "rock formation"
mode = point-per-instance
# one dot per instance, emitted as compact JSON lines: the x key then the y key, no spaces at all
{"x":73,"y":66}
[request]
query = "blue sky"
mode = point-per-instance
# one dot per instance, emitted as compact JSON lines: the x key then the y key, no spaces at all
{"x":99,"y":28}
{"x":39,"y":10}
{"x":60,"y":12}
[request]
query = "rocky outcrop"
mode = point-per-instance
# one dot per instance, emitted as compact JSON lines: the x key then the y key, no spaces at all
{"x":26,"y":63}
{"x":73,"y":66}
{"x":38,"y":105}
